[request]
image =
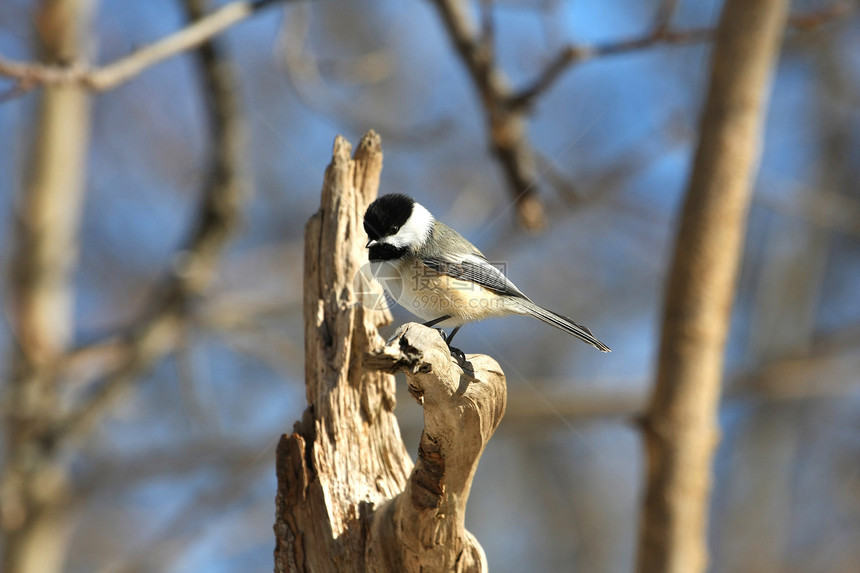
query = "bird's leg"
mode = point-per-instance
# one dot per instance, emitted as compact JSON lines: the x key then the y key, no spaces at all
{"x":455,"y":352}
{"x":435,"y":321}
{"x":459,"y":355}
{"x":451,"y":336}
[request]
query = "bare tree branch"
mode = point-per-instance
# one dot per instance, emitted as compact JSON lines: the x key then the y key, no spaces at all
{"x":661,"y":34}
{"x":506,"y":129}
{"x":680,"y":425}
{"x":218,"y":215}
{"x":488,"y":29}
{"x":344,"y":501}
{"x":33,"y":485}
{"x":576,"y":54}
{"x":331,"y":519}
{"x":506,"y":109}
{"x":30,"y":75}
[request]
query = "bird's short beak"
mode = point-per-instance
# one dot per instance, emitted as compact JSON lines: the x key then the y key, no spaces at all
{"x":370,"y":243}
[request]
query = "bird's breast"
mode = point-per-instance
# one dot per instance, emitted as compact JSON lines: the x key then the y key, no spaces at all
{"x":430,"y":295}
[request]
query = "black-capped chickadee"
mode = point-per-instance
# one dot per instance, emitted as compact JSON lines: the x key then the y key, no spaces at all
{"x":439,"y":276}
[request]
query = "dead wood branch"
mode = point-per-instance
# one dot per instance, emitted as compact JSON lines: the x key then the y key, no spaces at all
{"x":345,"y":456}
{"x":422,"y":529}
{"x":75,"y":72}
{"x":827,"y":370}
{"x":680,"y":424}
{"x":344,"y":502}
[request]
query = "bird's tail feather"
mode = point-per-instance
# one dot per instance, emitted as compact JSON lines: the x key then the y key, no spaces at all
{"x":562,"y":323}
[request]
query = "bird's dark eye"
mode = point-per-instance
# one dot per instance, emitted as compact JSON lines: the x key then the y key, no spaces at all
{"x":394,"y":229}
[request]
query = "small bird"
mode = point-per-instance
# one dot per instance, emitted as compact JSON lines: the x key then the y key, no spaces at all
{"x":441,"y":277}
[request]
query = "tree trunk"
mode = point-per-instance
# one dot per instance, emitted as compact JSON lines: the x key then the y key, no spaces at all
{"x":680,"y":426}
{"x":34,"y":489}
{"x":344,"y":500}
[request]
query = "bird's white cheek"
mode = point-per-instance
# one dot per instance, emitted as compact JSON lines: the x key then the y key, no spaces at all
{"x":416,"y":229}
{"x":394,"y":241}
{"x":402,"y":239}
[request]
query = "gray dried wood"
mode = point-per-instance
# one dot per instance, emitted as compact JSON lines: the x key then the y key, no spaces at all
{"x":346,"y":500}
{"x":422,"y":529}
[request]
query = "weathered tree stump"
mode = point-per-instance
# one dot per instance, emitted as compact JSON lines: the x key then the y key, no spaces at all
{"x":346,"y":499}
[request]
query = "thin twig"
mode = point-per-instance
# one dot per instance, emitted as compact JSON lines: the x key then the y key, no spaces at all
{"x":661,"y":34}
{"x":30,"y":75}
{"x":158,"y":332}
{"x":576,"y":54}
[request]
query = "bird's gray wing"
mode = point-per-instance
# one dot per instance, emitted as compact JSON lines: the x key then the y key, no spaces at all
{"x":476,"y":269}
{"x":460,"y":259}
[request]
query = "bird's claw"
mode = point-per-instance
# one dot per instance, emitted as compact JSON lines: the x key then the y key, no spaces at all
{"x":458,"y":354}
{"x":455,"y":352}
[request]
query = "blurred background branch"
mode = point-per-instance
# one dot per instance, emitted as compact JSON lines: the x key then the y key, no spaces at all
{"x":157,"y":332}
{"x":34,"y":488}
{"x":506,"y":129}
{"x":661,"y":33}
{"x":506,"y":110}
{"x":108,"y":76}
{"x":680,"y":425}
{"x":33,"y":483}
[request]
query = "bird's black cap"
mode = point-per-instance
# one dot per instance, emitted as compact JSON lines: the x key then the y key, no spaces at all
{"x":387,"y":214}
